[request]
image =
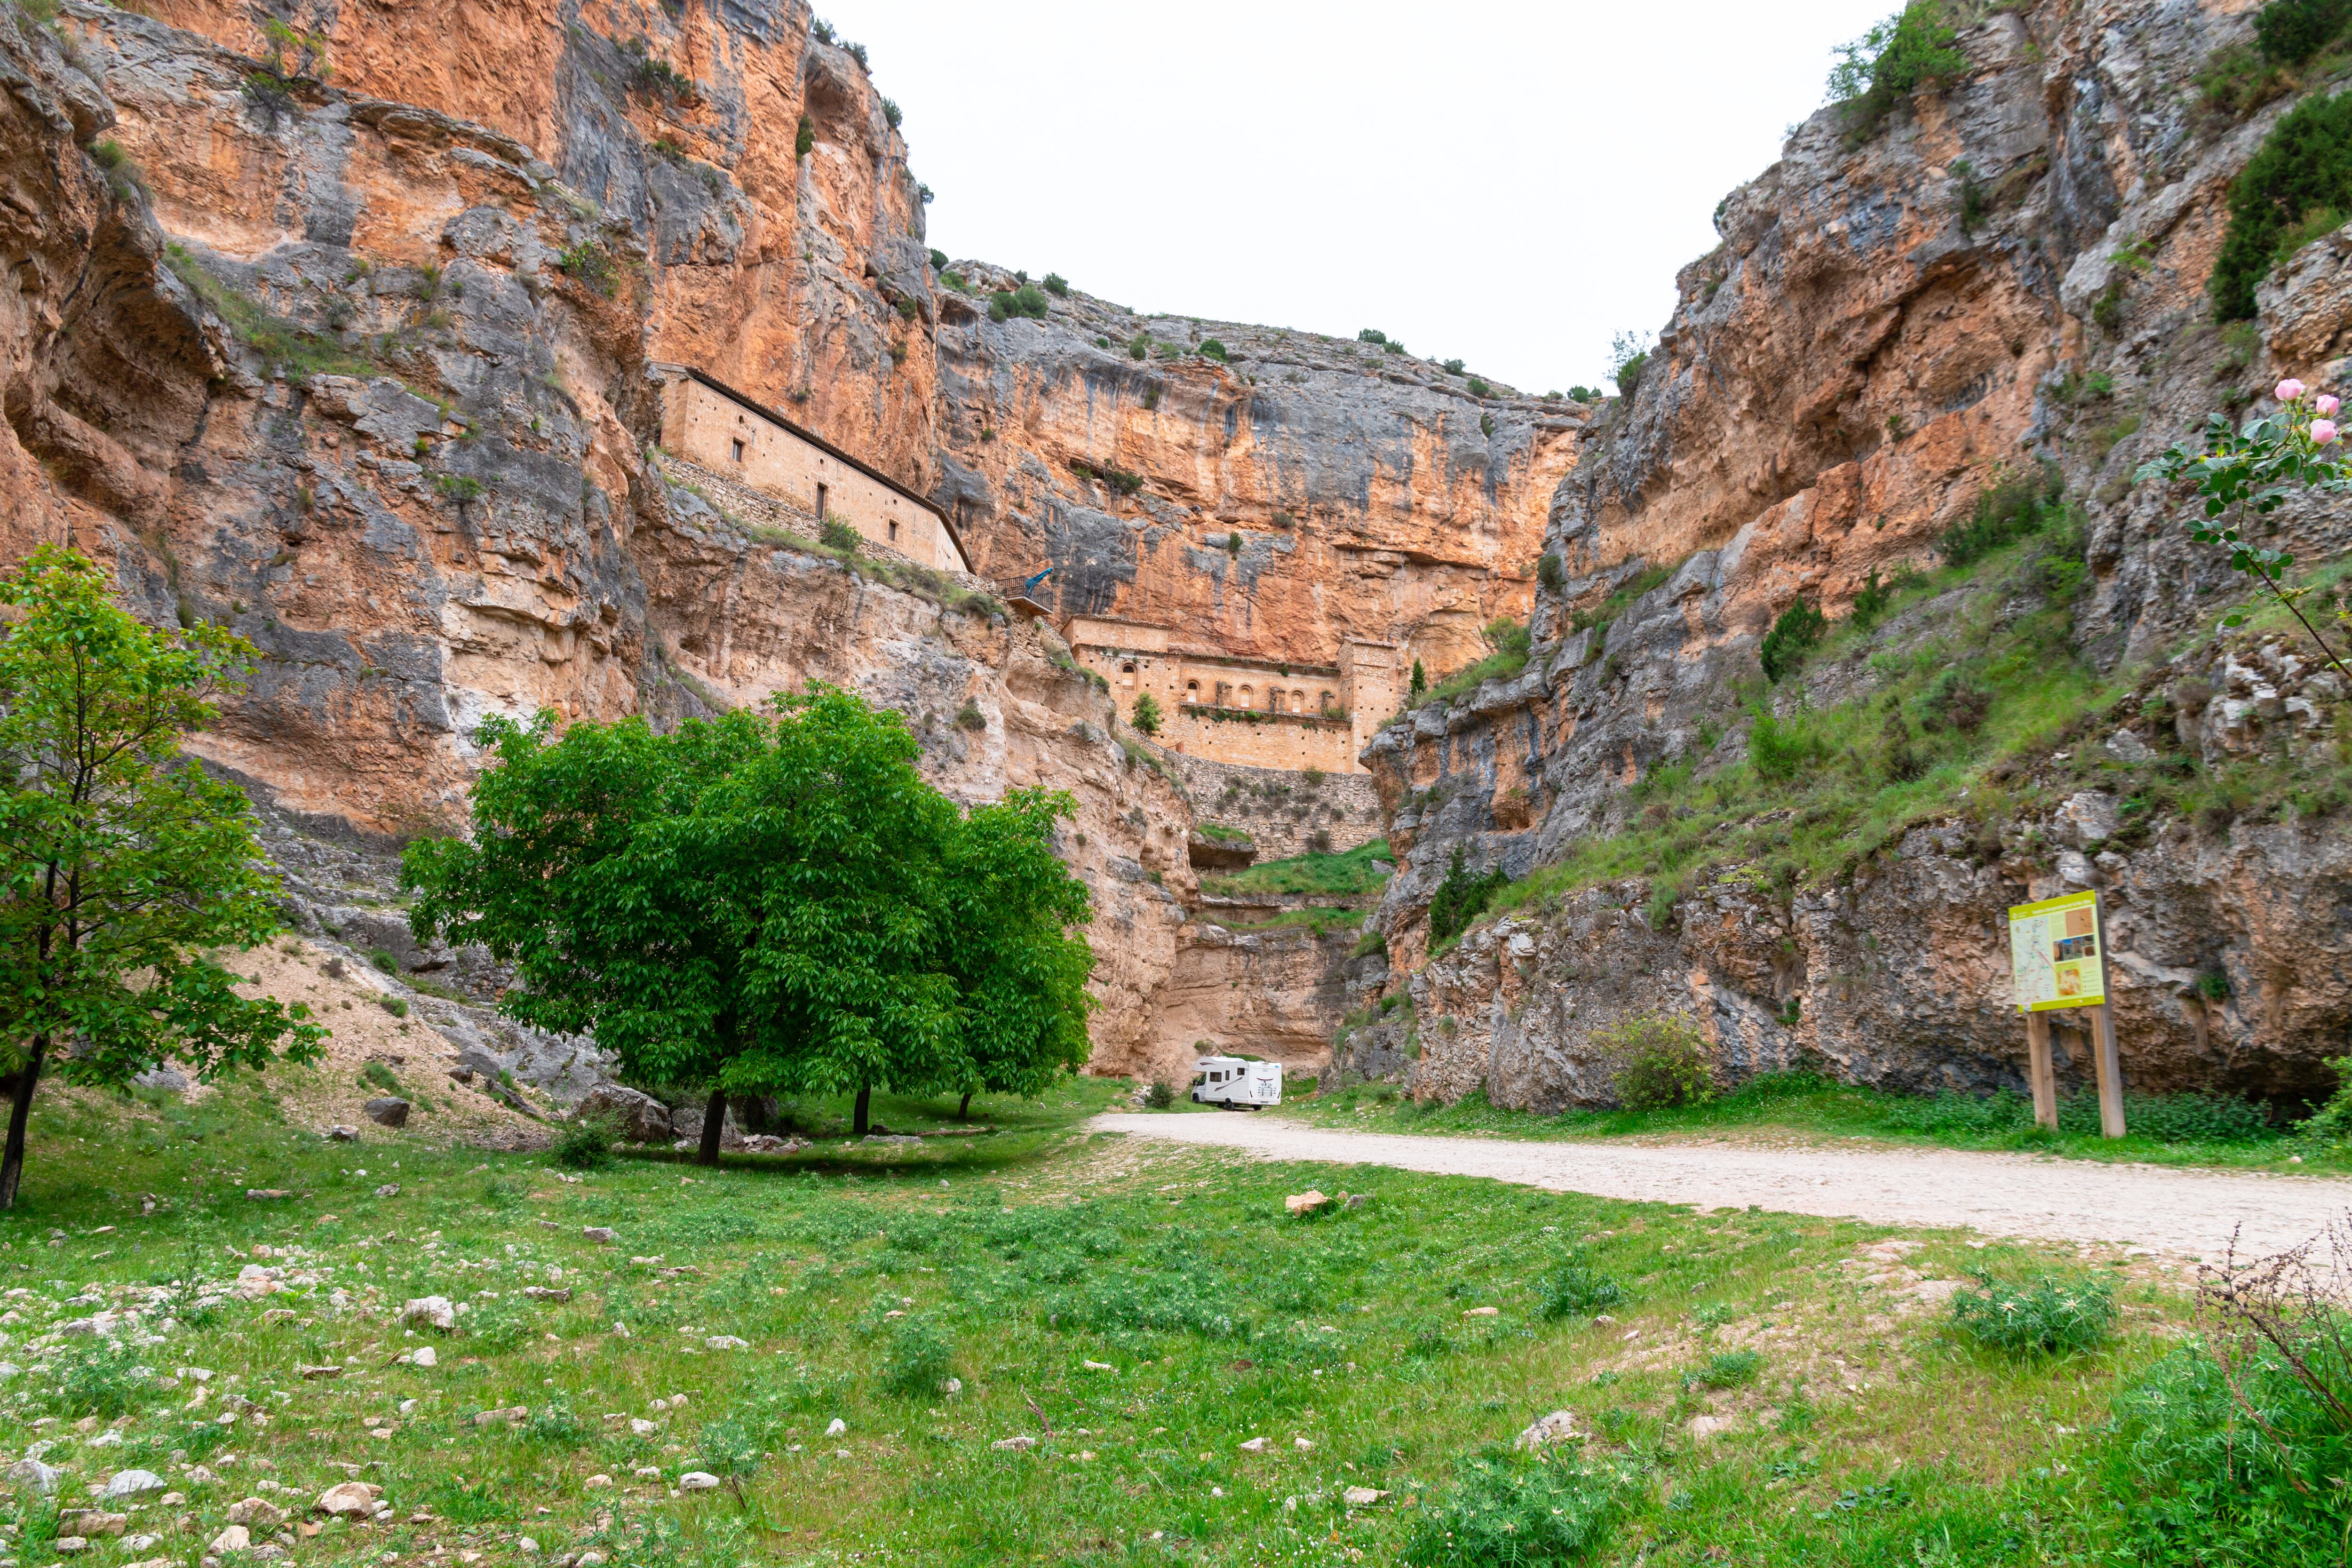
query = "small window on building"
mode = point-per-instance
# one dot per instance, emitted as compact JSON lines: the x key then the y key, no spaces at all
{"x":1245,"y":696}
{"x":1299,"y":703}
{"x":739,"y":449}
{"x":1193,"y":692}
{"x":1127,"y":673}
{"x":823,"y":512}
{"x":894,"y":531}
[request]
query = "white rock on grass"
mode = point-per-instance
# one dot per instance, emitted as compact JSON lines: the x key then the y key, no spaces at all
{"x":727,"y":1342}
{"x":640,"y":1427}
{"x":1019,"y":1444}
{"x":436,"y":1310}
{"x":1363,"y":1497}
{"x":595,"y":1483}
{"x":42,"y":1477}
{"x":127,"y":1483}
{"x":1255,"y":1445}
{"x":352,"y":1499}
{"x":838,"y":1428}
{"x":647,"y":1472}
{"x":697,"y":1481}
{"x":1559,"y":1427}
{"x":236,"y":1538}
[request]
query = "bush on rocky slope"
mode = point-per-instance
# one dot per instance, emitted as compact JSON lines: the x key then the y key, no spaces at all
{"x":2305,"y":167}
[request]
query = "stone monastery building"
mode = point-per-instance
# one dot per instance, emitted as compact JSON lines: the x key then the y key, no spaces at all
{"x":1251,"y":712}
{"x":712,"y":425}
{"x":1289,"y":716}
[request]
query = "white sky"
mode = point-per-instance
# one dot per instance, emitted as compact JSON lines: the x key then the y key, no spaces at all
{"x":1503,"y":181}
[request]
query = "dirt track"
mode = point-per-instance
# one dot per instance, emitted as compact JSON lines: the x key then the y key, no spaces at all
{"x":2187,"y":1213}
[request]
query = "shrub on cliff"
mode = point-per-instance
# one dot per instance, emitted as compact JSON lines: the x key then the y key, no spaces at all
{"x":2291,"y":31}
{"x":2305,"y":167}
{"x":1551,"y":573}
{"x":1462,"y":897}
{"x":1792,"y":637}
{"x":1146,"y":719}
{"x":1656,"y":1062}
{"x":1877,"y":73}
{"x":1026,"y":300}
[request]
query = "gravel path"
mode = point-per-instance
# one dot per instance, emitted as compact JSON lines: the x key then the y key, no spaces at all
{"x":2184,"y":1213}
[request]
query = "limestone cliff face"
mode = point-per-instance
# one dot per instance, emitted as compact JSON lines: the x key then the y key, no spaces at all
{"x":359,"y":368}
{"x":2011,"y":271}
{"x":1371,"y":494}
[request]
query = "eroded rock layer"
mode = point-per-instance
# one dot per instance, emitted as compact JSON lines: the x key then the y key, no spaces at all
{"x":2010,"y":271}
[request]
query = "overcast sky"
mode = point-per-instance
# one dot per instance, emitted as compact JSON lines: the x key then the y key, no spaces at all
{"x":1503,"y":182}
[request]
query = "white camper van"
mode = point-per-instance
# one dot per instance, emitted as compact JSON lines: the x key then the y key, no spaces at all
{"x":1236,"y":1084}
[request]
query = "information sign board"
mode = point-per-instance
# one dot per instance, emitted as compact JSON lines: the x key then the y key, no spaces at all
{"x":2054,"y":952}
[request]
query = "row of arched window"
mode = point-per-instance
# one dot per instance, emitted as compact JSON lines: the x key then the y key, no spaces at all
{"x":1275,"y":700}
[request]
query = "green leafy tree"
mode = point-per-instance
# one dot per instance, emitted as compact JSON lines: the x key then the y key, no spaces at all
{"x":125,"y":867}
{"x":758,"y":903}
{"x":1147,"y":713}
{"x":2257,"y":467}
{"x":1009,"y":906}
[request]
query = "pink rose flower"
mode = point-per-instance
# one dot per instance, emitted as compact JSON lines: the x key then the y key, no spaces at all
{"x":2287,"y":390}
{"x":2327,"y":405}
{"x":2323,"y":432}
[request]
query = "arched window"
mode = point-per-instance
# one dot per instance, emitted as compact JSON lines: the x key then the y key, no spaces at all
{"x":1299,"y":703}
{"x":1125,"y":671}
{"x":1192,"y":692}
{"x":1245,"y":696}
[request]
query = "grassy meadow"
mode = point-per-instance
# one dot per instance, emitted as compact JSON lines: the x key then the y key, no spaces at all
{"x":1042,"y":1345}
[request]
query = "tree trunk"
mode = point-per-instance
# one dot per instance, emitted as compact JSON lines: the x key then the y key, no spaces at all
{"x":963,"y":1112}
{"x":12,"y":1163}
{"x":859,"y":1122}
{"x":714,"y":1123}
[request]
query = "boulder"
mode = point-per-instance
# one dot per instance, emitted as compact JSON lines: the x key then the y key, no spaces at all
{"x":130,"y":1483}
{"x":1306,"y":1202}
{"x":601,"y":1235}
{"x":638,"y":1116}
{"x":697,"y":1481}
{"x":254,"y":1510}
{"x":343,"y":1132}
{"x":236,"y":1538}
{"x":1559,"y":1427}
{"x":387,"y":1110}
{"x":352,"y":1499}
{"x":437,"y":1311}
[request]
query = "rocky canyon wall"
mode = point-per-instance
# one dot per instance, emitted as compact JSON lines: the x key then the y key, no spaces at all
{"x":2007,"y":273}
{"x":1271,"y":500}
{"x":355,"y":361}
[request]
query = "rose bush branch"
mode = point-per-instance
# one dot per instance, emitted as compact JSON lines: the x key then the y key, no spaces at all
{"x":2259,"y":466}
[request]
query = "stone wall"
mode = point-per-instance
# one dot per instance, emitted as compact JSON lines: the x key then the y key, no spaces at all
{"x":1279,"y":809}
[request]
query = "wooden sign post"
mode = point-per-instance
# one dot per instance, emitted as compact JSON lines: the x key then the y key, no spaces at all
{"x":2058,"y":958}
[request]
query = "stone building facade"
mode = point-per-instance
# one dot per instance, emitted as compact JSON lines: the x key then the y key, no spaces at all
{"x":712,"y":425}
{"x":1292,"y":717}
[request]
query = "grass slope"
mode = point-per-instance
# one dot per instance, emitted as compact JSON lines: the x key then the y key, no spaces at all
{"x":1764,"y":1387}
{"x":1358,"y":873}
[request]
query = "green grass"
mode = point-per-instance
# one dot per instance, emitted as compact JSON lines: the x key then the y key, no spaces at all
{"x":1357,"y":873}
{"x":1322,"y":921}
{"x":2172,"y":1129}
{"x":1406,"y":1340}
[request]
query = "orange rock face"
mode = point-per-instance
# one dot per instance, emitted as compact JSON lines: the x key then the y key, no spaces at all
{"x":1268,"y":502}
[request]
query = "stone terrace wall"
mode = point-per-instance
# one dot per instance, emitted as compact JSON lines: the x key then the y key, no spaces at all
{"x":1278,"y":808}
